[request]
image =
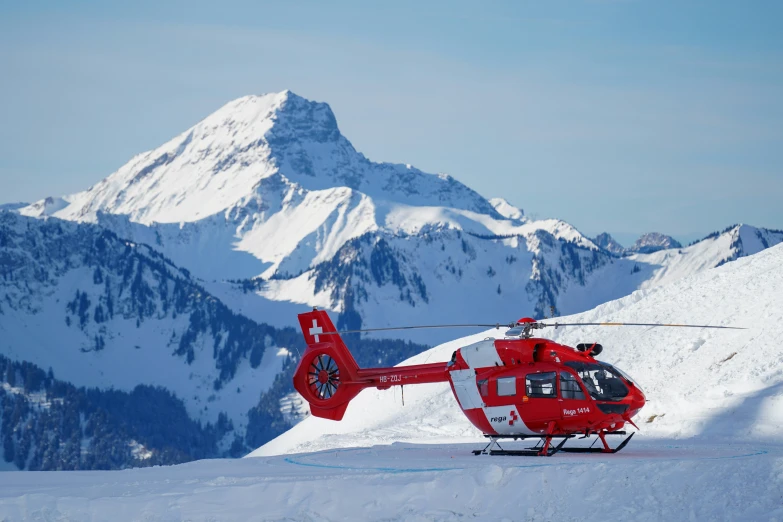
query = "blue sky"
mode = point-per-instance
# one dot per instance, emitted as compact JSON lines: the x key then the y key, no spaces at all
{"x":620,"y":116}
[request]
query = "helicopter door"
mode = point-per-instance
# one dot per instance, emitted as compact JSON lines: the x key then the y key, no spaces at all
{"x":466,"y":389}
{"x":572,"y":400}
{"x":540,"y":404}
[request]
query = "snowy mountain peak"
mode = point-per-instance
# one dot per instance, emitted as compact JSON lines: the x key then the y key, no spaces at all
{"x":278,"y":117}
{"x":507,"y":210}
{"x":608,"y":243}
{"x":45,"y":207}
{"x":652,"y":242}
{"x":257,"y":153}
{"x":748,"y":240}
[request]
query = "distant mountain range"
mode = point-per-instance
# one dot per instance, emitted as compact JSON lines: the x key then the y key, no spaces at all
{"x":646,"y":244}
{"x":185,"y":268}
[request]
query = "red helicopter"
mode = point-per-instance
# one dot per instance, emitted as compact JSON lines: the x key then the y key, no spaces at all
{"x":514,"y":388}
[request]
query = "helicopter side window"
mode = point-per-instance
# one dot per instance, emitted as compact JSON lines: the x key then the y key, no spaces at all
{"x":569,"y":387}
{"x":541,"y":385}
{"x":483,"y":386}
{"x":507,"y":386}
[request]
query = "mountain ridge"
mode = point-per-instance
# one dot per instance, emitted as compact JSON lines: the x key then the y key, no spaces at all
{"x":295,"y":215}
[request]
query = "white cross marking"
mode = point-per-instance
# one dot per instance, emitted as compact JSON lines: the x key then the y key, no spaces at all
{"x":315,"y":330}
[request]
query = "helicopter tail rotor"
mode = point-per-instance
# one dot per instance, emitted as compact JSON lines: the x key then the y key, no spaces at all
{"x":326,"y":375}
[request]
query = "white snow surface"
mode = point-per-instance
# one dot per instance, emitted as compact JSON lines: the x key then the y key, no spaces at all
{"x":700,"y":383}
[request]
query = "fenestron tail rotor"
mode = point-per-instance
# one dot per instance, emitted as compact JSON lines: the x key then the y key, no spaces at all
{"x":323,"y":376}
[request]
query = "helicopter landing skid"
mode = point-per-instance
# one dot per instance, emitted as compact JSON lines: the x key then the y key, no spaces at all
{"x":544,"y":451}
{"x":547,"y":450}
{"x":605,"y":449}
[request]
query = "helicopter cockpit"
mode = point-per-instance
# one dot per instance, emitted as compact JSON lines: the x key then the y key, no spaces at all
{"x":603,"y":381}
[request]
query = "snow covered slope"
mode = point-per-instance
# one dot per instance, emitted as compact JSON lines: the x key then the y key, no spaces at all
{"x":713,"y":384}
{"x":737,"y":241}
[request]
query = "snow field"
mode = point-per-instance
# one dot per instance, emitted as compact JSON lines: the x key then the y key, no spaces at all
{"x":661,"y":480}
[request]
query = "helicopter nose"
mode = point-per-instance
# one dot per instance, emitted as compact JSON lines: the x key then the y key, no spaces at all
{"x":637,"y":400}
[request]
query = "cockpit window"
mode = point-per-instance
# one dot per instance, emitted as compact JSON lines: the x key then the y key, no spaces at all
{"x":569,"y":387}
{"x":540,"y":385}
{"x":507,"y":386}
{"x":602,"y":381}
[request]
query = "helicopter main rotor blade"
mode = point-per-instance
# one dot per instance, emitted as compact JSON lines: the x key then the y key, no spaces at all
{"x":512,"y":325}
{"x":557,"y":325}
{"x":496,"y":325}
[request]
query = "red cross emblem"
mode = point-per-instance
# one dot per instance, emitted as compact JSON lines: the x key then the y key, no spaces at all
{"x":514,"y":417}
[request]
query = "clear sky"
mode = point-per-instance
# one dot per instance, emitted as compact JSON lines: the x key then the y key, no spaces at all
{"x":620,"y":116}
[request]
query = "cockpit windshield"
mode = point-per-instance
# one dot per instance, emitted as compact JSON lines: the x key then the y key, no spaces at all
{"x":617,"y":370}
{"x":603,"y":381}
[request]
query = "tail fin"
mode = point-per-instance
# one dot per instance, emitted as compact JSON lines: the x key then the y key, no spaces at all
{"x":327,"y":374}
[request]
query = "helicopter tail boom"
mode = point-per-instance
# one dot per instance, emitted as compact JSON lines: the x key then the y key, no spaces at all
{"x":328,"y":376}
